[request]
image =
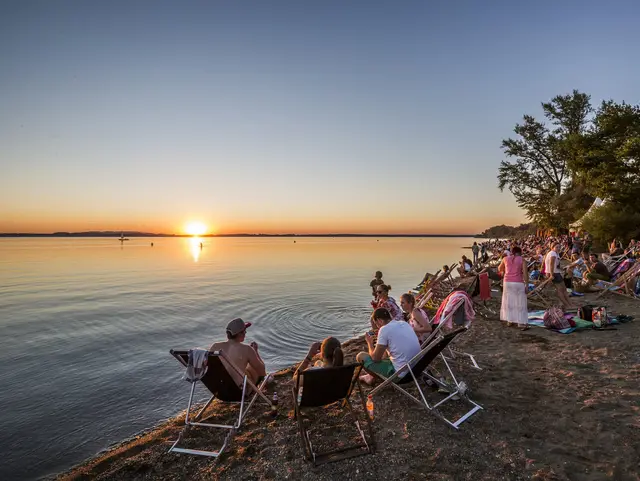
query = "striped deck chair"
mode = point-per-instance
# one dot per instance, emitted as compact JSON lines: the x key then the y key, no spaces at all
{"x":624,"y":285}
{"x":538,"y":296}
{"x":438,"y":290}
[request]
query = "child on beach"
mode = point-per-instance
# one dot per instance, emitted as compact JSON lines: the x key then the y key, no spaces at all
{"x":375,"y":282}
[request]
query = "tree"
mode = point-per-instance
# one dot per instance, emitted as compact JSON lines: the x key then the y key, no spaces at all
{"x":608,"y":159}
{"x":613,"y":221}
{"x":540,"y":177}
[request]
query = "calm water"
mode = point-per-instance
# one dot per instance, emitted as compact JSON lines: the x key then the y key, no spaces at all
{"x":86,"y":325}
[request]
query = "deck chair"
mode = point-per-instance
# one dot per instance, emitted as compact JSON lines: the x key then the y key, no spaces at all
{"x":621,"y":285}
{"x":223,"y":388}
{"x":416,"y":370}
{"x":537,"y":294}
{"x":437,"y":290}
{"x":459,"y":320}
{"x":480,"y":288}
{"x":321,"y":387}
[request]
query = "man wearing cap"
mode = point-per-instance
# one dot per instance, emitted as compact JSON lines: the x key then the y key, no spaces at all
{"x":245,"y":358}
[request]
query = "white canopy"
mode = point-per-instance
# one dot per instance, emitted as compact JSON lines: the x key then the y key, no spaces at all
{"x":596,"y":203}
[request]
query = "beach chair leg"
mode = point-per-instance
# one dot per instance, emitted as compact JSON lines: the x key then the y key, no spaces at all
{"x":186,"y":418}
{"x":301,"y":429}
{"x":208,"y":403}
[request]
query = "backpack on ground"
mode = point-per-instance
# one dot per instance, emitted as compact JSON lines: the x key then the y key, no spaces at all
{"x":554,"y":319}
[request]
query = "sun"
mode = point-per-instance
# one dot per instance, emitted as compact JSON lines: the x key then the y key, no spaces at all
{"x":196,"y":228}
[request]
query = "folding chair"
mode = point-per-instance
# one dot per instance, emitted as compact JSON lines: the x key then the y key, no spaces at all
{"x":416,"y":369}
{"x":321,"y":387}
{"x":459,"y":319}
{"x":621,"y":285}
{"x":223,"y":387}
{"x":536,"y":294}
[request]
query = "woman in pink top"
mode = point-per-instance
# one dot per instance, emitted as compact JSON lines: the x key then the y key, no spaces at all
{"x":514,"y":290}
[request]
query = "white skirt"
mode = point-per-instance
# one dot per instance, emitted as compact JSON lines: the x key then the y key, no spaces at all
{"x":514,"y":303}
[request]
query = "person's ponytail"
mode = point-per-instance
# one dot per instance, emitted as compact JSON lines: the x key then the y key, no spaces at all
{"x":338,"y":357}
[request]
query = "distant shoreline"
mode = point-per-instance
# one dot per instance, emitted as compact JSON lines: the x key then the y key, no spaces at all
{"x":145,"y":234}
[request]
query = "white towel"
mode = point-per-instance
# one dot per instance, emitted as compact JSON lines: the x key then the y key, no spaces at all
{"x":197,"y":365}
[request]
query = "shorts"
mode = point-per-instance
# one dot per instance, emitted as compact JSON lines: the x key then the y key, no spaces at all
{"x":558,"y":279}
{"x":594,"y":276}
{"x":384,"y":368}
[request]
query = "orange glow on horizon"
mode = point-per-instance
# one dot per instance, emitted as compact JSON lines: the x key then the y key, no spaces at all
{"x":196,"y":228}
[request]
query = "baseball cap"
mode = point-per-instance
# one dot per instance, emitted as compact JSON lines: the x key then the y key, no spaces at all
{"x":236,"y":326}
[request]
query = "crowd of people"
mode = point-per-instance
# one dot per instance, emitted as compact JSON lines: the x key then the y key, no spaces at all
{"x":399,"y":329}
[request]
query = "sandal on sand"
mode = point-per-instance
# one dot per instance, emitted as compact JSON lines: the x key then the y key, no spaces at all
{"x":525,"y":328}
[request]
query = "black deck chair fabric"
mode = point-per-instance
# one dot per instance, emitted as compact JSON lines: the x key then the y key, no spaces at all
{"x":325,"y":386}
{"x":436,"y":348}
{"x":223,"y":388}
{"x":416,"y":370}
{"x":217,"y":379}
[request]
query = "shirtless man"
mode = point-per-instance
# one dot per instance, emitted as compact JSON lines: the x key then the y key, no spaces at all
{"x":245,"y":358}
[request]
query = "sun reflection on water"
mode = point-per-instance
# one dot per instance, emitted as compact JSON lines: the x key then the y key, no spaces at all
{"x":195,"y":246}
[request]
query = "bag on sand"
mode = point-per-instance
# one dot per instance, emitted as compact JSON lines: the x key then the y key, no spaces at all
{"x":600,"y":317}
{"x":554,"y":319}
{"x":586,"y":313}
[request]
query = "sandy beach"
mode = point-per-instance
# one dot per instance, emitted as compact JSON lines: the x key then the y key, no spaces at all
{"x":556,"y":407}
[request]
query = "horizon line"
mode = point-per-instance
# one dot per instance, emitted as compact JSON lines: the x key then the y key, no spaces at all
{"x":149,"y":234}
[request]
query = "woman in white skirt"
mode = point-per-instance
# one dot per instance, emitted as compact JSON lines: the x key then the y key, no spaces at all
{"x":514,"y":290}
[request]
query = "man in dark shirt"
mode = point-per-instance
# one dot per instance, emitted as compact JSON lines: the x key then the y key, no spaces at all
{"x":596,"y":270}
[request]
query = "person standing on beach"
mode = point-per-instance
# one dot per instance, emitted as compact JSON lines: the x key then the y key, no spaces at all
{"x":514,"y":308}
{"x":375,"y":282}
{"x":476,"y":250}
{"x":552,"y":269}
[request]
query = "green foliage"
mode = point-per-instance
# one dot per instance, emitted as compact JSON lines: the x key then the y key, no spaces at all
{"x":613,"y":221}
{"x":509,"y":232}
{"x":539,"y":176}
{"x":608,"y":156}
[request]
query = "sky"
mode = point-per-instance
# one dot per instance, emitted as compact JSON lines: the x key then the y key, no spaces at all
{"x":286,"y":116}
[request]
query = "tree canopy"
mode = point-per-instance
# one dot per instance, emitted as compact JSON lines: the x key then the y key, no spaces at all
{"x":557,"y":166}
{"x":538,"y":175}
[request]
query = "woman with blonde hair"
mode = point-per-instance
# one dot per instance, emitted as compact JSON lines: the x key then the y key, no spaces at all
{"x":416,"y":316}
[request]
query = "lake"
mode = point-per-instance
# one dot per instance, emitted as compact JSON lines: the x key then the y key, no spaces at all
{"x":86,"y":324}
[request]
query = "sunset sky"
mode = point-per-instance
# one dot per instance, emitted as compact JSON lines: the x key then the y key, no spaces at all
{"x":286,"y":116}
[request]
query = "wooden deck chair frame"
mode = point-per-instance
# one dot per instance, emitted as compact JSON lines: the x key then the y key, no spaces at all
{"x":439,"y":289}
{"x":536,"y":294}
{"x":244,"y":403}
{"x":416,"y":369}
{"x":316,"y":392}
{"x":620,"y":285}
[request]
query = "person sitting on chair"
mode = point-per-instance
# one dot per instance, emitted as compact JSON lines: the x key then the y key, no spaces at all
{"x":596,"y":270}
{"x":331,"y":352}
{"x":245,"y":358}
{"x":416,"y":316}
{"x":396,"y":338}
{"x":384,"y":301}
{"x":465,"y":267}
